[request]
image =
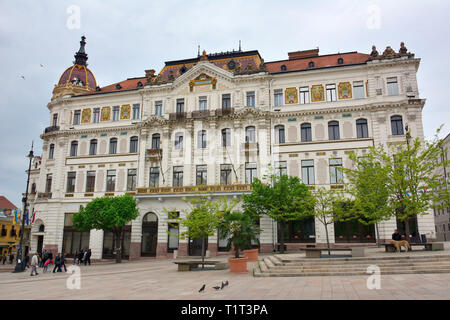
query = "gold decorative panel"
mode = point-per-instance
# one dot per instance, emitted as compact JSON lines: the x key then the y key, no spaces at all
{"x":86,"y":116}
{"x":345,"y":90}
{"x":291,"y":96}
{"x":203,"y":79}
{"x":317,"y":93}
{"x":106,"y":114}
{"x":125,"y":112}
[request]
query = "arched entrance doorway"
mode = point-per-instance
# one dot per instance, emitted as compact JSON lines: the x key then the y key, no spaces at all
{"x":149,"y":235}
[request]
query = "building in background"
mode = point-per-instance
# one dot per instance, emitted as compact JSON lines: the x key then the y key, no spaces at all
{"x":442,"y":216}
{"x":10,"y":232}
{"x":211,"y":124}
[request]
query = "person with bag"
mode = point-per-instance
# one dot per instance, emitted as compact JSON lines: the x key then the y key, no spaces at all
{"x":34,"y":264}
{"x":57,"y":264}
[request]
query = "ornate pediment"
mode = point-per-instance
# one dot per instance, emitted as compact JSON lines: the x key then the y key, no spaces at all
{"x":155,"y":120}
{"x":250,"y":112}
{"x":203,"y":79}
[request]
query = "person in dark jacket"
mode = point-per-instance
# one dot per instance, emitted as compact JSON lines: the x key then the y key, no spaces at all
{"x":63,"y":262}
{"x":57,"y":264}
{"x":396,"y":236}
{"x":80,"y":256}
{"x":50,"y":256}
{"x":88,"y":257}
{"x":75,"y":257}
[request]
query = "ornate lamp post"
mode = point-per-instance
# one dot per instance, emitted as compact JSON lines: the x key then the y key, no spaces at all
{"x":20,"y":265}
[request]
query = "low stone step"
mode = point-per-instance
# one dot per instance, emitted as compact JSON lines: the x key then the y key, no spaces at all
{"x":263,"y":266}
{"x":268,"y":263}
{"x":357,"y":269}
{"x":317,"y":262}
{"x":396,"y":257}
{"x":315,"y":274}
{"x":363,"y":265}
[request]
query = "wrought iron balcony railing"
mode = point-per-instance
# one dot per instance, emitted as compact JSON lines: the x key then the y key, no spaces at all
{"x":196,"y":189}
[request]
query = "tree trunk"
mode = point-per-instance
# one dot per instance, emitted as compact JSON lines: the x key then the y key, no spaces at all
{"x":236,"y":251}
{"x":378,"y":235}
{"x":328,"y":239}
{"x":282,"y":237}
{"x":407,"y":231}
{"x":203,"y":252}
{"x":117,"y":245}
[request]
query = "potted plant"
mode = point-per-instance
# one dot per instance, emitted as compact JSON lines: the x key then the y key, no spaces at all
{"x":240,"y":230}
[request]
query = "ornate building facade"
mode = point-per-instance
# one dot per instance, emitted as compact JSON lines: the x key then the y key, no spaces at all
{"x":211,"y":124}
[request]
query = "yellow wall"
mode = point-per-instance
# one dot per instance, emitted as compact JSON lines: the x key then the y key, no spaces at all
{"x":9,"y":240}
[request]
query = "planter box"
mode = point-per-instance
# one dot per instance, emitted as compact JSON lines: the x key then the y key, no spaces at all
{"x":252,"y":254}
{"x":238,"y":265}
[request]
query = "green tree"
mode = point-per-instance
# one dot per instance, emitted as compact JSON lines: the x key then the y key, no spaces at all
{"x":240,"y":230}
{"x":108,"y":214}
{"x":282,"y":198}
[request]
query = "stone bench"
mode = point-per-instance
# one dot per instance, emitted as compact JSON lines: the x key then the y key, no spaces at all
{"x":189,"y":265}
{"x":316,"y":252}
{"x":428,"y":246}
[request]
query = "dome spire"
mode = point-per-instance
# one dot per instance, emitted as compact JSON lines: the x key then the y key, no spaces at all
{"x":81,"y":56}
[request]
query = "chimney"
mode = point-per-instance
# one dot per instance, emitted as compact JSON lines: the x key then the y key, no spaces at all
{"x":303,"y":54}
{"x":149,"y":73}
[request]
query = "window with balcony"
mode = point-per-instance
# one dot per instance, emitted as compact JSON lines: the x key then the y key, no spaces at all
{"x":201,"y":175}
{"x":308,"y":172}
{"x":304,"y":95}
{"x":305,"y":129}
{"x":226,"y":101}
{"x":362,"y":130}
{"x":178,"y":176}
{"x":335,"y":172}
{"x":250,"y":134}
{"x":203,"y":103}
{"x":93,"y":147}
{"x":73,"y":148}
{"x":392,"y":86}
{"x":51,"y":151}
{"x":397,"y":125}
{"x":134,"y":144}
{"x":201,"y":139}
{"x":180,"y":106}
{"x":90,"y":181}
{"x":331,"y":92}
{"x":250,"y":172}
{"x":226,"y":137}
{"x":76,"y":117}
{"x":55,"y":120}
{"x":279,"y":134}
{"x":225,"y":173}
{"x":131,"y":180}
{"x":178,"y":141}
{"x":71,"y":182}
{"x":110,"y":180}
{"x":154,"y":177}
{"x":96,"y":115}
{"x":156,"y":140}
{"x":136,"y":111}
{"x":48,"y":183}
{"x":251,"y":99}
{"x":113,"y":146}
{"x":278,"y":97}
{"x":333,"y":130}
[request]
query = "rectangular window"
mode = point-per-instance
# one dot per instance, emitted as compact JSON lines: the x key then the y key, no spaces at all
{"x":115,"y":115}
{"x":48,"y":183}
{"x":73,"y":148}
{"x":173,"y":239}
{"x":225,"y":173}
{"x":179,"y":141}
{"x":180,"y":106}
{"x":110,"y":180}
{"x":154,"y":177}
{"x":55,"y":119}
{"x":201,"y":175}
{"x":306,"y":132}
{"x":362,"y":130}
{"x":51,"y":151}
{"x":226,"y":101}
{"x":158,"y":108}
{"x":96,"y":115}
{"x":251,"y":99}
{"x":304,"y":95}
{"x":335,"y":173}
{"x":358,"y":90}
{"x":113,"y":146}
{"x":226,"y":137}
{"x":178,"y":176}
{"x":71,"y":182}
{"x":90,"y":181}
{"x":76,"y":117}
{"x":278,"y":97}
{"x":131,"y":180}
{"x":250,"y":172}
{"x":331,"y":92}
{"x":308,"y":172}
{"x":280,"y":168}
{"x":392,"y":86}
{"x":136,"y":111}
{"x":156,"y":141}
{"x":202,"y":103}
{"x":201,"y":139}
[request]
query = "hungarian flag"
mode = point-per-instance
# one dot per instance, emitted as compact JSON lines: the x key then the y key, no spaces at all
{"x":34,"y":215}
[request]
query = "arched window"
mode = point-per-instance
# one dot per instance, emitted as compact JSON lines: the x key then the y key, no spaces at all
{"x":73,"y":148}
{"x":179,"y":141}
{"x":41,"y":228}
{"x":156,"y":140}
{"x":340,"y":61}
{"x":361,"y":128}
{"x":134,"y":144}
{"x":113,"y":146}
{"x":93,"y":147}
{"x":51,"y":151}
{"x":250,"y":134}
{"x":283,"y":67}
{"x":397,"y":125}
{"x":226,"y":137}
{"x":201,"y":139}
{"x":306,"y":132}
{"x":311,"y":64}
{"x":333,"y":130}
{"x":279,"y":134}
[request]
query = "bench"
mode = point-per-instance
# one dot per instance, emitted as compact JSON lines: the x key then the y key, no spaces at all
{"x":316,"y":252}
{"x":428,"y":246}
{"x":189,"y":265}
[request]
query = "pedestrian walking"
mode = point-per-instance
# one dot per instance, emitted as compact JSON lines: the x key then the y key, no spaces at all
{"x":44,"y":258}
{"x":4,"y":257}
{"x":57,"y":263}
{"x":47,"y":262}
{"x":27,"y":260}
{"x":11,"y":258}
{"x":63,"y":262}
{"x":87,"y":256}
{"x":75,"y":256}
{"x":80,"y":256}
{"x":34,"y":264}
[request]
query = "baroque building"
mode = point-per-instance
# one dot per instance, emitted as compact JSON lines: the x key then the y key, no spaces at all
{"x":211,"y":124}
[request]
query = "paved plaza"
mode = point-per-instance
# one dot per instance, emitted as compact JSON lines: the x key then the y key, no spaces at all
{"x":159,"y":279}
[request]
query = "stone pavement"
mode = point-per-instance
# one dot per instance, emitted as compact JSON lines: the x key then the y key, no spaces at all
{"x":159,"y":279}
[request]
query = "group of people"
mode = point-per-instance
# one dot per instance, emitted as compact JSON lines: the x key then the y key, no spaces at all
{"x":5,"y":257}
{"x":45,"y":258}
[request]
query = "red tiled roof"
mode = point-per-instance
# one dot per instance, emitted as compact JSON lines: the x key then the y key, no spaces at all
{"x":6,"y":204}
{"x":319,"y":62}
{"x":128,"y":84}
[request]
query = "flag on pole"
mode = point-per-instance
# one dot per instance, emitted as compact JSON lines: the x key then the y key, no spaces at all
{"x":27,"y":222}
{"x":34,"y":215}
{"x":15,"y":216}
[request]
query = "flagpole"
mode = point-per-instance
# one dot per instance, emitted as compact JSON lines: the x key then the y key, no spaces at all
{"x":20,"y":265}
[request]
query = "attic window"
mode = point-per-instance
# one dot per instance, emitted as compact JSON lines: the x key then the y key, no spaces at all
{"x":118,"y":86}
{"x":139,"y":84}
{"x":231,"y":64}
{"x":311,"y":64}
{"x":98,"y":88}
{"x":283,"y":67}
{"x":340,"y":61}
{"x":183,"y":69}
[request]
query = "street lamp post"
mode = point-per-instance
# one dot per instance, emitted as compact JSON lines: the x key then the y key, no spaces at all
{"x":20,"y":265}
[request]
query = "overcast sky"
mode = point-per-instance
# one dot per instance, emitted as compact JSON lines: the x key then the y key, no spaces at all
{"x":126,"y":37}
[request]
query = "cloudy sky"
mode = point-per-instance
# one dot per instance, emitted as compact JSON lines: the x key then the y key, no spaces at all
{"x":126,"y":37}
